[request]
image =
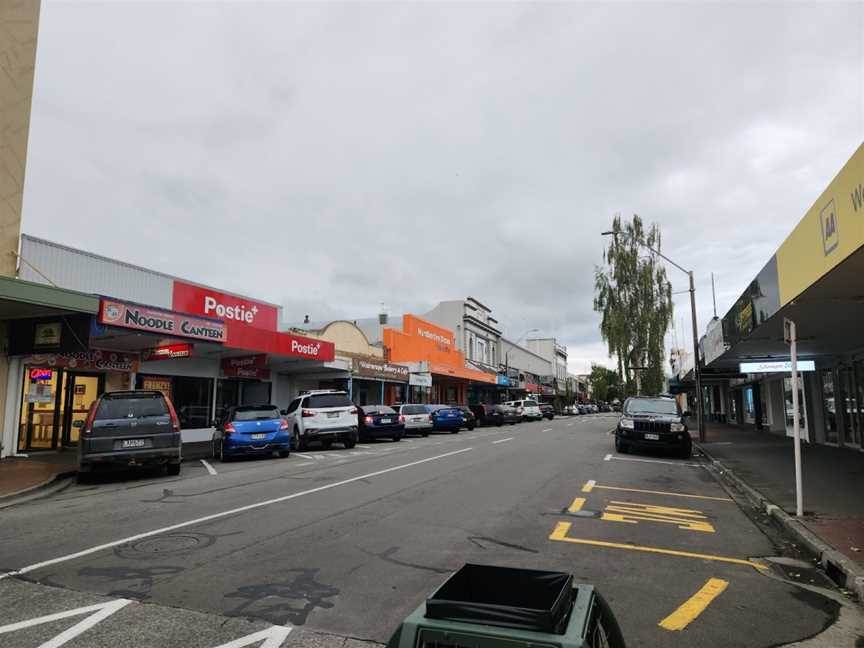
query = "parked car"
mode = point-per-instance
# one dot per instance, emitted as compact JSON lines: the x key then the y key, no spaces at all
{"x":547,"y":411}
{"x":251,"y":430}
{"x":468,"y":415}
{"x":653,"y":423}
{"x":446,"y":418}
{"x":495,"y":415}
{"x":528,"y":410}
{"x":324,"y":416}
{"x":376,"y":421}
{"x":417,"y":419}
{"x":130,"y":429}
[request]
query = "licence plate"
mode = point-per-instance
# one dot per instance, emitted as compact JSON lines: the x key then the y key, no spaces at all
{"x":132,"y":443}
{"x":259,"y":436}
{"x":386,"y":420}
{"x":652,"y":437}
{"x":332,"y":414}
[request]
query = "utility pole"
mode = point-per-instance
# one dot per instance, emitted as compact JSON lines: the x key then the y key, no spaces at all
{"x":697,"y":371}
{"x":790,"y":335}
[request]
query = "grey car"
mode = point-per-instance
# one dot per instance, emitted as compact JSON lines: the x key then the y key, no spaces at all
{"x":130,"y":429}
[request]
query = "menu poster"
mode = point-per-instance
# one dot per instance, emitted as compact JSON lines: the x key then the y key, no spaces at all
{"x":40,"y":392}
{"x":157,"y":383}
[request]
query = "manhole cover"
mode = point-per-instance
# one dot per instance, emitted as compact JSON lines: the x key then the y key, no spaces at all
{"x":167,"y":544}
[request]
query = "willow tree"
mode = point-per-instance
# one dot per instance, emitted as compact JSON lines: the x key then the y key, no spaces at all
{"x":634,"y":297}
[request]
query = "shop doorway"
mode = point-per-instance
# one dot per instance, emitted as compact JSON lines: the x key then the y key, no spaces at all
{"x":79,"y":392}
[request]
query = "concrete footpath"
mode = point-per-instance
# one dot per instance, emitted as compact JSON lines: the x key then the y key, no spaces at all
{"x":833,"y":524}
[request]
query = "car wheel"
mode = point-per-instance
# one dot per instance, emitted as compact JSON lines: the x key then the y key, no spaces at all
{"x":471,"y":428}
{"x":173,"y":469}
{"x":327,"y":444}
{"x":456,"y":431}
{"x":350,"y":441}
{"x":425,"y":434}
{"x":284,"y":453}
{"x":397,"y":437}
{"x":299,"y":442}
{"x":686,"y":452}
{"x":620,"y":446}
{"x":222,"y":456}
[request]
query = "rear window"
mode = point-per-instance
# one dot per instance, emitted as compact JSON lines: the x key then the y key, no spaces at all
{"x":378,"y":409}
{"x":255,"y":413}
{"x":328,"y":400}
{"x":132,"y":407}
{"x":413,"y":409}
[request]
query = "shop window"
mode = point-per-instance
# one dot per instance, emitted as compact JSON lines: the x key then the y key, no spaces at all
{"x":829,"y":406}
{"x":749,"y":405}
{"x":192,"y":397}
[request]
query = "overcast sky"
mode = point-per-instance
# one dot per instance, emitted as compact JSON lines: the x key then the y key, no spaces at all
{"x":331,"y":157}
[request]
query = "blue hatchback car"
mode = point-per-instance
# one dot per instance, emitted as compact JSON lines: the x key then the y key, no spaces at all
{"x":446,"y":418}
{"x":251,"y":430}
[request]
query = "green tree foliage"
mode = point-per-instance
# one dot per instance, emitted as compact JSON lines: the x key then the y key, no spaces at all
{"x":605,"y":384}
{"x":635,"y":299}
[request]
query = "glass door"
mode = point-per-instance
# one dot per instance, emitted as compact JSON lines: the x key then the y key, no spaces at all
{"x":39,"y":405}
{"x":80,"y":390}
{"x":851,"y":431}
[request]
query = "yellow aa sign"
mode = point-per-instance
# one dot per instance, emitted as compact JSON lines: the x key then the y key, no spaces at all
{"x":688,"y":519}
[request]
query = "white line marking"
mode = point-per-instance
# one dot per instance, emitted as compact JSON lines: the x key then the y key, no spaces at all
{"x":364,"y":446}
{"x":273,"y":637}
{"x":209,"y":468}
{"x":100,"y":611}
{"x":569,"y":425}
{"x":657,"y":461}
{"x":308,"y":463}
{"x":216,"y":516}
{"x":317,"y":457}
{"x":502,"y":440}
{"x":547,"y":430}
{"x":607,"y":457}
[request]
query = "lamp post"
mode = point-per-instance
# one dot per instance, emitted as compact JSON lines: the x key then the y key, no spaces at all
{"x":697,"y":372}
{"x":507,"y":357}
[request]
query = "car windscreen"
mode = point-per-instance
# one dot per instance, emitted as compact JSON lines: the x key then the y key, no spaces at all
{"x":132,"y":407}
{"x":651,"y":406}
{"x":328,"y":400}
{"x":255,"y":413}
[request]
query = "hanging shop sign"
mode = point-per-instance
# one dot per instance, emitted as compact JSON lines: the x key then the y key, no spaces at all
{"x":167,"y":352}
{"x":775,"y":367}
{"x":238,"y":311}
{"x":532,"y":387}
{"x":252,"y":366}
{"x":504,"y":381}
{"x":381,"y":370}
{"x":155,"y":320}
{"x":420,"y":379}
{"x":47,"y":334}
{"x":95,"y":360}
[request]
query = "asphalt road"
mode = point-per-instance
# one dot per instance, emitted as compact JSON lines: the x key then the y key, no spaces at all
{"x":335,"y":548}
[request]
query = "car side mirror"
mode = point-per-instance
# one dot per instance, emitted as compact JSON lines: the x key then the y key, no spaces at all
{"x":284,"y":412}
{"x":78,"y":424}
{"x":687,"y":414}
{"x":214,"y":423}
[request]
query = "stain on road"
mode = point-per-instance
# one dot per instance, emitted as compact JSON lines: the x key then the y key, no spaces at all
{"x":290,"y":601}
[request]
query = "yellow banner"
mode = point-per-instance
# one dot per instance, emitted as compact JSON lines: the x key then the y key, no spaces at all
{"x":832,"y":230}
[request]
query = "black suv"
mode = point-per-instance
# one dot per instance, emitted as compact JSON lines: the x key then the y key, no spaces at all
{"x":653,"y":423}
{"x":130,"y":429}
{"x":547,"y":411}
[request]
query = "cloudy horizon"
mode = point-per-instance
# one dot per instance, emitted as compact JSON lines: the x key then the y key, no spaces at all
{"x":332,"y":157}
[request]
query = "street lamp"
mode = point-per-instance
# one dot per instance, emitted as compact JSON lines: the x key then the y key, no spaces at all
{"x":697,"y":372}
{"x":507,"y":357}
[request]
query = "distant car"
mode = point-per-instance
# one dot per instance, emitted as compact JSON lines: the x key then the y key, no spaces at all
{"x":376,"y":421}
{"x":468,"y":415}
{"x":446,"y":418}
{"x":547,"y":411}
{"x":497,"y":415}
{"x":251,"y":430}
{"x":324,"y":416}
{"x":130,"y":429}
{"x":417,"y":419}
{"x":653,"y":423}
{"x":528,"y":410}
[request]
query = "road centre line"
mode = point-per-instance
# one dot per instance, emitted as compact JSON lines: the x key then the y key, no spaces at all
{"x":502,"y":440}
{"x":210,"y":469}
{"x":590,"y":485}
{"x":695,"y":605}
{"x":562,"y":528}
{"x":609,"y":457}
{"x":216,"y":516}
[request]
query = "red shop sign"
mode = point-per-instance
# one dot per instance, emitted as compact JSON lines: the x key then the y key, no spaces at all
{"x":258,"y":360}
{"x":167,"y":352}
{"x":236,"y":311}
{"x":247,"y":372}
{"x":156,"y":320}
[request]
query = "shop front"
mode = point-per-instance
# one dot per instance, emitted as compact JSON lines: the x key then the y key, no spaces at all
{"x":375,"y":382}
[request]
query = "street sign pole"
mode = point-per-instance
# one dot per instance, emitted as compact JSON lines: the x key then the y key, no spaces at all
{"x":790,"y":335}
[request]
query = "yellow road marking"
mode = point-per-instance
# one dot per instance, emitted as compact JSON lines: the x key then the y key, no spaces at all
{"x":576,"y":506}
{"x":653,"y":492}
{"x":695,"y":605}
{"x":588,"y":486}
{"x":687,"y":519}
{"x":562,"y":528}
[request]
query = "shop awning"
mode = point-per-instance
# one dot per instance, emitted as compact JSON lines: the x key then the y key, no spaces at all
{"x":461,"y":372}
{"x":20,"y":299}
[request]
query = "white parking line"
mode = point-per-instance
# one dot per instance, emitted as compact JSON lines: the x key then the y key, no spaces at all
{"x":363,"y":446}
{"x":209,"y":468}
{"x":547,"y":430}
{"x":569,"y":425}
{"x":229,"y":512}
{"x":100,"y":612}
{"x":657,"y":461}
{"x":303,"y":465}
{"x":502,"y":440}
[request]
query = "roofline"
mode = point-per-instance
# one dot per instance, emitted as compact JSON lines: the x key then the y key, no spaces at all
{"x":479,"y":303}
{"x":143,"y":269}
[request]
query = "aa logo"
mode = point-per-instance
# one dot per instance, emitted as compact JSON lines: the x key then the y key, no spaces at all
{"x":830,"y":234}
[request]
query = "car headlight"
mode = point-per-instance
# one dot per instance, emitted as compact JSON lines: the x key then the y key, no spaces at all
{"x":626,"y":424}
{"x":677,"y":427}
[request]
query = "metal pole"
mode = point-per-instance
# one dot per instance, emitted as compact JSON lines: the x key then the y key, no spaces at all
{"x":796,"y":430}
{"x":697,"y":372}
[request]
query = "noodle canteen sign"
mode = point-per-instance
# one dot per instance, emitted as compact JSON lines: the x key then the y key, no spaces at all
{"x":156,"y":320}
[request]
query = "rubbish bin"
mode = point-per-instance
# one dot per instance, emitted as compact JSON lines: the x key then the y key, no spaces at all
{"x":483,"y":606}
